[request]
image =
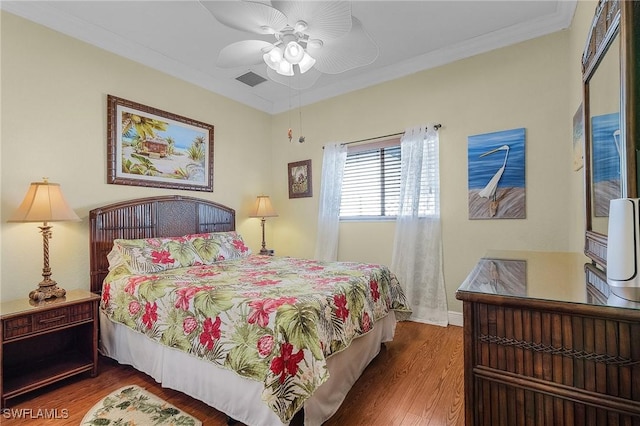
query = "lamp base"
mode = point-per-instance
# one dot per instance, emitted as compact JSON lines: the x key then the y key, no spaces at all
{"x":46,"y":290}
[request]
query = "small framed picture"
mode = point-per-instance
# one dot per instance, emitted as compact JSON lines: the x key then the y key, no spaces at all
{"x":300,"y":179}
{"x":154,"y":148}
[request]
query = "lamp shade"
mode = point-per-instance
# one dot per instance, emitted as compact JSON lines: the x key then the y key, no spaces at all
{"x":263,"y":207}
{"x":44,"y":202}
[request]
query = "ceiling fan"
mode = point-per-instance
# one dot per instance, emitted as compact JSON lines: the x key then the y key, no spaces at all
{"x":311,"y":38}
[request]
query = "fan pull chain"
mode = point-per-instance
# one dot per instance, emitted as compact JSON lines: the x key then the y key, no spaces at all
{"x":301,"y":138}
{"x":290,"y":131}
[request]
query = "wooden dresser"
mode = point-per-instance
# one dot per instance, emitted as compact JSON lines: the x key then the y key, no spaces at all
{"x":544,"y":348}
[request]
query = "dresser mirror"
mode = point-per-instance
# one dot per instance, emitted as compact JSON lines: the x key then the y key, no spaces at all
{"x":610,"y":98}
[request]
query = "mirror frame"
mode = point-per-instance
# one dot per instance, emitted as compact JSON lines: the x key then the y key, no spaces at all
{"x":611,"y":18}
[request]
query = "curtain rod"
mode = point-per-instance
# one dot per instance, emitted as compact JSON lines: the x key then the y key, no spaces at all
{"x":436,"y":126}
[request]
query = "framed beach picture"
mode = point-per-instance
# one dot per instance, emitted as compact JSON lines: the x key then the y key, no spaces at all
{"x":496,"y":175}
{"x":605,"y":141}
{"x":300,"y":179}
{"x":154,"y":148}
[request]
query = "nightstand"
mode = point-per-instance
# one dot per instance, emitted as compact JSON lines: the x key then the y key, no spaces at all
{"x":47,"y":341}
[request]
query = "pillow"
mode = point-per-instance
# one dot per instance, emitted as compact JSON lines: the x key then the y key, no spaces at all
{"x":115,"y":258}
{"x":153,"y":254}
{"x":217,"y":246}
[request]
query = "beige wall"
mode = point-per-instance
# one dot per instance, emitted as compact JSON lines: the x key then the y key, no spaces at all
{"x":54,"y":91}
{"x":1,"y":180}
{"x":60,"y":85}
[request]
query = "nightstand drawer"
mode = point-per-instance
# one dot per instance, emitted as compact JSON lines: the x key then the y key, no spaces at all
{"x":21,"y":326}
{"x":17,"y":327}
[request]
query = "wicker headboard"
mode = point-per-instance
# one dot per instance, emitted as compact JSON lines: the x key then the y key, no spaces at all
{"x":167,"y":216}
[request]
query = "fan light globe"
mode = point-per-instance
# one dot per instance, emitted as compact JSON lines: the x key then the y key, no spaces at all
{"x":269,"y":62}
{"x":285,"y":68}
{"x":273,"y":58}
{"x":306,"y":63}
{"x":293,"y":53}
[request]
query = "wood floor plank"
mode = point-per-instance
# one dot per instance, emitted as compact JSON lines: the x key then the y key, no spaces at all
{"x":415,"y":380}
{"x":447,"y":399}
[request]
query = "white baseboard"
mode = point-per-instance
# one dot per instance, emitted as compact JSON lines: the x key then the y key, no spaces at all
{"x":455,"y":318}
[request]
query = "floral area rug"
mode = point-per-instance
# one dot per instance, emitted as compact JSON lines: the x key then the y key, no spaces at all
{"x":133,"y":405}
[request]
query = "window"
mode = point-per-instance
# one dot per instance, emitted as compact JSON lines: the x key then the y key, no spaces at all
{"x":371,"y":183}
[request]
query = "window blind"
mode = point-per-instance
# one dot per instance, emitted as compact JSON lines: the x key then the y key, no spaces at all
{"x":371,"y":183}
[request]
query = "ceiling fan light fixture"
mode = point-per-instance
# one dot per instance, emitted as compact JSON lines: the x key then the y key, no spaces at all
{"x":333,"y":42}
{"x":293,"y":53}
{"x":306,"y":63}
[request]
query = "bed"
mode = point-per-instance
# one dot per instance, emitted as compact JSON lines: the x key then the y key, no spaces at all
{"x":265,"y":340}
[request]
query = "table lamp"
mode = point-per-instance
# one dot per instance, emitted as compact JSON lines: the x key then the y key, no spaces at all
{"x":45,"y":203}
{"x":263,"y":209}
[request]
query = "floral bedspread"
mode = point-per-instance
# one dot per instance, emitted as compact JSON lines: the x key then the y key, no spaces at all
{"x":271,"y":319}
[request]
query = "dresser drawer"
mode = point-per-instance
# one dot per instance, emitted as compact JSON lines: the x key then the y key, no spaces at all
{"x":20,"y":326}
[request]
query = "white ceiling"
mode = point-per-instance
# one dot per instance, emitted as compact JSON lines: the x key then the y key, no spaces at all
{"x":183,"y":39}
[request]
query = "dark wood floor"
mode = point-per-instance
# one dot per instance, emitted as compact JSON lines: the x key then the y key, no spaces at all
{"x":415,"y":380}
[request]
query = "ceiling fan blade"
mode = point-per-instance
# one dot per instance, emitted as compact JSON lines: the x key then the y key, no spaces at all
{"x":258,"y":18}
{"x":325,"y":19}
{"x":354,"y":50}
{"x":242,"y":53}
{"x":298,"y":81}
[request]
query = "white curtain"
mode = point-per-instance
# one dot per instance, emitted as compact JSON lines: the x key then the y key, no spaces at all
{"x":333,"y":161}
{"x":417,"y":248}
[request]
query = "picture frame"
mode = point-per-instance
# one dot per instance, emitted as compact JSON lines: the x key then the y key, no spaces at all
{"x":157,"y":148}
{"x":497,"y":190}
{"x":300,"y":184}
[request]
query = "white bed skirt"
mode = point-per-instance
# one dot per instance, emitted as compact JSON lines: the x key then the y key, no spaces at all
{"x":236,"y":396}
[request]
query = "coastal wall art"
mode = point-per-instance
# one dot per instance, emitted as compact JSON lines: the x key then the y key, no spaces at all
{"x":605,"y":136}
{"x":496,"y":173}
{"x":150,"y":147}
